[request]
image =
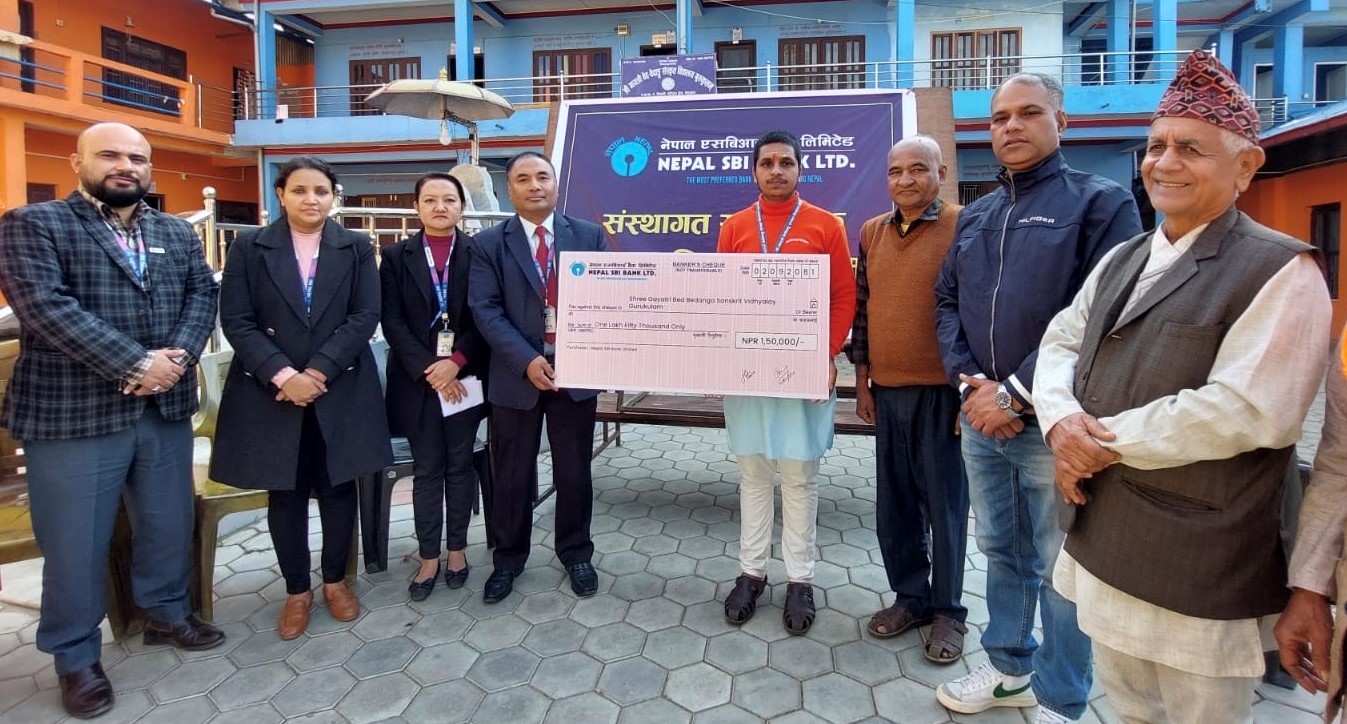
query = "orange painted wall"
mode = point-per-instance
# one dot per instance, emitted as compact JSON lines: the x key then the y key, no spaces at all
{"x":48,"y":162}
{"x":1283,"y":203}
{"x":214,"y":47}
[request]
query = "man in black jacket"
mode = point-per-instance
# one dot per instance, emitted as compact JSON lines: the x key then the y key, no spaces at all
{"x":1020,"y":254}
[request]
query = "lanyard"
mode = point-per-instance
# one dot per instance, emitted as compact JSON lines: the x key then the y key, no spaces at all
{"x":545,"y":275}
{"x":762,"y":233}
{"x":441,"y":284}
{"x":308,"y":283}
{"x":135,"y":257}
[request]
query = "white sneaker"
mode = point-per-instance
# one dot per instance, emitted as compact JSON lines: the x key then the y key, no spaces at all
{"x":986,"y":688}
{"x":1048,"y":716}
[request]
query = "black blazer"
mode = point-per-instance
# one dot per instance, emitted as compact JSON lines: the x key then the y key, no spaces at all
{"x":410,"y":309}
{"x":506,"y":296}
{"x":262,"y":315}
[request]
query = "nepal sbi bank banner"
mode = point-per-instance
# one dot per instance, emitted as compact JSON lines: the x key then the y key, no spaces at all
{"x":662,"y":174}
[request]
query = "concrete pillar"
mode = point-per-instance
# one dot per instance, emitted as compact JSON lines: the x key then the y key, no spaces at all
{"x":1166,"y":37}
{"x":1119,"y":41}
{"x":464,"y":62}
{"x":905,"y":40}
{"x":683,"y":20}
{"x":1288,"y":67}
{"x":266,"y":63}
{"x":12,"y":144}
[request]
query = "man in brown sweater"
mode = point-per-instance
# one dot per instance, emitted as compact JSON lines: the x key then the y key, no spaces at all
{"x":902,"y":388}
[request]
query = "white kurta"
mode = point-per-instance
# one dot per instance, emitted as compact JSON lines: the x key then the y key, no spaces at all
{"x":1262,"y":382}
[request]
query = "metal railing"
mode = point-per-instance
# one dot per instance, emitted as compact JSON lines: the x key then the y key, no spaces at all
{"x":960,"y":74}
{"x":52,"y":71}
{"x":382,"y":226}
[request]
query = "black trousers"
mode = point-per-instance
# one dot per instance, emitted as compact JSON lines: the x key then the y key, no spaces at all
{"x":515,"y":438}
{"x":288,"y":514}
{"x":443,"y":479}
{"x":921,"y":491}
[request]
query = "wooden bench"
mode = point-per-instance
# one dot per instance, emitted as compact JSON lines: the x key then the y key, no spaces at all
{"x":649,"y":408}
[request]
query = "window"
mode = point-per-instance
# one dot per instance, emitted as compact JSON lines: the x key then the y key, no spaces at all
{"x":478,"y":68}
{"x":1330,"y":82}
{"x":970,"y":191}
{"x":1262,"y":94}
{"x":1325,"y":224}
{"x":134,"y":91}
{"x":975,"y":58}
{"x":832,"y":63}
{"x":235,"y":212}
{"x":580,"y":73}
{"x":734,"y":66}
{"x":37,"y":193}
{"x":368,"y":75}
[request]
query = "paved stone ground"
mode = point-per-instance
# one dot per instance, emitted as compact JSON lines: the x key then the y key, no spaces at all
{"x":652,"y":646}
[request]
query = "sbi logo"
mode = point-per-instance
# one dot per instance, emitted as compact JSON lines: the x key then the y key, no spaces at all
{"x":628,"y":157}
{"x":578,"y":269}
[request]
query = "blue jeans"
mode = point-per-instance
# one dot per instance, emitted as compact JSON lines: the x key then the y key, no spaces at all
{"x":75,"y":487}
{"x":1011,"y":489}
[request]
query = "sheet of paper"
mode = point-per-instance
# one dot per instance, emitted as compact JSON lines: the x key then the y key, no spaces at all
{"x":472,"y":399}
{"x":739,"y":324}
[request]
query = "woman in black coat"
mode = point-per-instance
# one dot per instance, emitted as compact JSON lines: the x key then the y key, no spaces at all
{"x":433,"y":344}
{"x":300,"y":411}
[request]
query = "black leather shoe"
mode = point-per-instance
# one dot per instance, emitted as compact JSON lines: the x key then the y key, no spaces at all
{"x":456,"y":579}
{"x":420,"y":590}
{"x":584,"y":579}
{"x":189,"y":634}
{"x":500,"y":584}
{"x":86,"y":693}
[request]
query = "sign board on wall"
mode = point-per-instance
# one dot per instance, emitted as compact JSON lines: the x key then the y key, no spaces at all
{"x":669,"y":75}
{"x":662,"y":174}
{"x":377,"y":50}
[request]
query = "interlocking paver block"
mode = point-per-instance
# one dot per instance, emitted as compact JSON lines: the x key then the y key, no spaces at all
{"x":321,"y":652}
{"x":589,"y":708}
{"x":908,"y":701}
{"x":194,"y":710}
{"x":438,"y":628}
{"x":800,"y":657}
{"x":698,"y":687}
{"x":314,"y":691}
{"x":636,"y":586}
{"x":566,"y":675}
{"x":450,"y":702}
{"x":134,"y":672}
{"x":502,"y":669}
{"x":378,"y":698}
{"x":191,"y":679}
{"x":555,"y":637}
{"x":443,"y":662}
{"x":654,"y":710}
{"x":653,"y":614}
{"x":520,"y":704}
{"x":736,"y":652}
{"x":632,"y":680}
{"x":497,"y":633}
{"x":675,"y":647}
{"x":767,"y":692}
{"x":614,"y":641}
{"x":382,"y":657}
{"x":386,"y":623}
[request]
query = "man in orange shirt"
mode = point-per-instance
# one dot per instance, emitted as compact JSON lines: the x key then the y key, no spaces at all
{"x":772,"y":435}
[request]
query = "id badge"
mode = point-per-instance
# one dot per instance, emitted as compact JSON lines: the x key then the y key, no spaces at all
{"x":550,"y":320}
{"x":444,"y":344}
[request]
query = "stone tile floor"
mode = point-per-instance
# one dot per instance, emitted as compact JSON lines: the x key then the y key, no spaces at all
{"x":651,"y":647}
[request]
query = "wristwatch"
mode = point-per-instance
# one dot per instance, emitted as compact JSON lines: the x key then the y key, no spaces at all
{"x":1005,"y":401}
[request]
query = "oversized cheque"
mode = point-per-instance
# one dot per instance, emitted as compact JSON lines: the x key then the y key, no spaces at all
{"x":694,"y":323}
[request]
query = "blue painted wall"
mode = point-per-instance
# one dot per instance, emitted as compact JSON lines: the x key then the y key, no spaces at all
{"x":1108,"y":160}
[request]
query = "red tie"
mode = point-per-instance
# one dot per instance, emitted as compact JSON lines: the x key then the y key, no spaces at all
{"x":549,"y":279}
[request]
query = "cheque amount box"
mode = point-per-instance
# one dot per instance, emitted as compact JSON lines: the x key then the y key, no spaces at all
{"x":729,"y":324}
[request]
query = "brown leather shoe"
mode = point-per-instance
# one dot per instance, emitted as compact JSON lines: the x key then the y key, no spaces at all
{"x":295,"y":615}
{"x":86,"y":693}
{"x":341,"y":603}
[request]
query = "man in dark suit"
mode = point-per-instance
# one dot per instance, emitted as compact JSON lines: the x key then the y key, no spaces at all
{"x":116,"y":302}
{"x":513,"y":295}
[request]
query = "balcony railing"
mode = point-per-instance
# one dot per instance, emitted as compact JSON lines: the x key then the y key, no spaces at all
{"x":959,"y":74}
{"x":51,"y":71}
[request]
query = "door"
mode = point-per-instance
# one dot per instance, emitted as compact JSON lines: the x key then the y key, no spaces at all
{"x":735,"y":63}
{"x":368,"y":75}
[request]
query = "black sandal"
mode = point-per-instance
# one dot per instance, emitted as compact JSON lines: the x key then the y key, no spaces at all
{"x":743,"y":600}
{"x":799,"y":611}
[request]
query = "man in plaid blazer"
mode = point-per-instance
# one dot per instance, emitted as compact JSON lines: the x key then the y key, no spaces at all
{"x":115,"y":302}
